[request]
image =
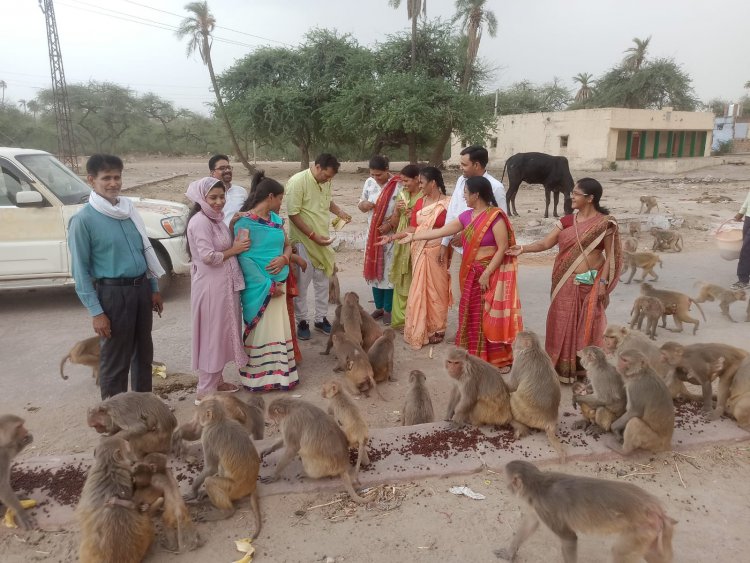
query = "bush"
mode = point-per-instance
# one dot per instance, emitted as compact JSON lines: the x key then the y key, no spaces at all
{"x":725,"y":147}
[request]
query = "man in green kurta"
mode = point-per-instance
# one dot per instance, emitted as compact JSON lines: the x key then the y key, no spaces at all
{"x":309,"y":204}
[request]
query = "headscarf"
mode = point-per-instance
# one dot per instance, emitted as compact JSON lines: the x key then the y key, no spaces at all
{"x":197,"y":192}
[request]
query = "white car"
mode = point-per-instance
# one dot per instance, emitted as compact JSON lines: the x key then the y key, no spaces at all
{"x":39,"y":195}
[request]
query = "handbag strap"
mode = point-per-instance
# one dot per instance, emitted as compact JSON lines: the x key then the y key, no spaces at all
{"x":578,"y":239}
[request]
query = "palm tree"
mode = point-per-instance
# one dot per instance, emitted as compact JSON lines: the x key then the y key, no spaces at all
{"x":413,"y":8}
{"x":34,"y":107}
{"x":3,"y":85}
{"x":22,"y":103}
{"x":586,"y":89}
{"x":473,"y":15}
{"x":636,"y":55}
{"x":198,"y":28}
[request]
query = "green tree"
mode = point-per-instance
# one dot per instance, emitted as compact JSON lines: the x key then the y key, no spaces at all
{"x":3,"y":85}
{"x":198,"y":28}
{"x":22,"y":103}
{"x":716,"y":106}
{"x":413,"y":8}
{"x":34,"y":107}
{"x":162,"y":111}
{"x":586,"y":88}
{"x":636,"y":55}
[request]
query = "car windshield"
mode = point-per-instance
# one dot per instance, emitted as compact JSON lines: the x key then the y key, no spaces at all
{"x":60,"y":180}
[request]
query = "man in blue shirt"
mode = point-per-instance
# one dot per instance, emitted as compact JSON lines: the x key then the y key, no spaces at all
{"x":116,"y":271}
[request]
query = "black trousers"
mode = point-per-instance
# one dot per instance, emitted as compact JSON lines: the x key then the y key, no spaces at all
{"x":743,"y":268}
{"x":130,"y":348}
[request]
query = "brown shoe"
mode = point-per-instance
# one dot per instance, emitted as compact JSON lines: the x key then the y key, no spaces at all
{"x":377,"y":313}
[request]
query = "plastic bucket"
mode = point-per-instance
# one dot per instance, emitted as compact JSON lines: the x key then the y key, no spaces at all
{"x":729,"y":241}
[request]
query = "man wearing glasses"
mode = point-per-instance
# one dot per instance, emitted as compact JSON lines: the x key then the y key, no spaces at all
{"x":236,"y":195}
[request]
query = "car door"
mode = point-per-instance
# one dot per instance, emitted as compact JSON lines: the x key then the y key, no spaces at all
{"x":32,"y":236}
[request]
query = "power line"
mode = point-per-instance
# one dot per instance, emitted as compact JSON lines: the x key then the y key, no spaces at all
{"x":217,"y":27}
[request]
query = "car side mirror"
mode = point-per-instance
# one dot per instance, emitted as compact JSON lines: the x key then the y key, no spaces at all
{"x":29,"y":198}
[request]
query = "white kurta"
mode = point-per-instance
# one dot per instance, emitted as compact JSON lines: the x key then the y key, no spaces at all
{"x":371,"y":192}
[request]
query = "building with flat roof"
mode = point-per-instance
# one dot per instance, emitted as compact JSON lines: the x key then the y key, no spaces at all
{"x":593,"y":139}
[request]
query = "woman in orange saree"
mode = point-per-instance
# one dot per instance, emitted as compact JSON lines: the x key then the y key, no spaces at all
{"x":586,"y":271}
{"x":489,"y":314}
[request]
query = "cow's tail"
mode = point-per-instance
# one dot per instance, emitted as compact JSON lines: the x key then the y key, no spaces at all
{"x":504,"y":167}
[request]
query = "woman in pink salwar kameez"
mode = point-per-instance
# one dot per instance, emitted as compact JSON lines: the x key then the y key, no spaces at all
{"x":216,"y":280}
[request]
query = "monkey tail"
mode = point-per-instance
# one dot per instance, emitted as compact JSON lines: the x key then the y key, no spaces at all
{"x":62,"y":365}
{"x":699,"y":308}
{"x":375,"y":387}
{"x":255,"y":505}
{"x":555,"y":442}
{"x":346,"y":478}
{"x":360,"y":454}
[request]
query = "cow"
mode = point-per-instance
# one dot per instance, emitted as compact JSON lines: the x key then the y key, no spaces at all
{"x":539,"y":168}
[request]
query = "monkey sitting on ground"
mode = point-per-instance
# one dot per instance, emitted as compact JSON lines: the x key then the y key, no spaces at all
{"x":479,"y":396}
{"x":249,"y":415}
{"x":738,"y":404}
{"x":607,"y":402}
{"x":630,"y":244}
{"x":676,"y":304}
{"x":666,"y":240}
{"x":309,"y":432}
{"x":645,"y":260}
{"x":648,"y":422}
{"x":350,"y":318}
{"x":334,"y":288}
{"x":179,"y":531}
{"x":371,"y":330}
{"x":146,"y":497}
{"x":535,"y":396}
{"x":618,"y":339}
{"x":342,"y":408}
{"x":113,"y":530}
{"x":380,"y":355}
{"x":649,"y":202}
{"x":13,"y":438}
{"x":569,"y":505}
{"x":86,"y":353}
{"x":335,"y":329}
{"x":417,"y":408}
{"x":231,"y":463}
{"x":649,"y":308}
{"x":353,"y":360}
{"x":725,"y":297}
{"x":140,"y":418}
{"x":701,"y":364}
{"x":634,"y":229}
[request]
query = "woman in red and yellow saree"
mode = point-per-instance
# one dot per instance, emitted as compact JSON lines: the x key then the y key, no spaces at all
{"x":586,"y":271}
{"x":430,"y":290}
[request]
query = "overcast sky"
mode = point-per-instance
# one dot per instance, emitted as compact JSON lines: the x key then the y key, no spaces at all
{"x":133,"y":44}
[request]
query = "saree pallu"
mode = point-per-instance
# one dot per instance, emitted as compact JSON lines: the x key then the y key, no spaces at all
{"x":375,"y":263}
{"x":576,"y":317}
{"x":400,"y":274}
{"x":430,"y":291}
{"x":471,"y":315}
{"x":292,"y":291}
{"x":270,"y":350}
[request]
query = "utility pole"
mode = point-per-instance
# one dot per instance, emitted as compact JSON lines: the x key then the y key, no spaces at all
{"x":65,"y":142}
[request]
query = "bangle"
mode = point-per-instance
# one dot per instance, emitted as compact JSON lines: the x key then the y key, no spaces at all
{"x":285,"y":257}
{"x":521,"y":250}
{"x":311,"y":235}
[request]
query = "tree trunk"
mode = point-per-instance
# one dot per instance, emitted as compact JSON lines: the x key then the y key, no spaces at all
{"x":240,"y":154}
{"x":414,"y":41}
{"x":304,"y":158}
{"x":437,"y":153}
{"x":412,"y":140}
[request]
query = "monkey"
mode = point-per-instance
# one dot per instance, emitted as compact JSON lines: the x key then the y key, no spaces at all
{"x":648,"y":422}
{"x":342,"y":408}
{"x":725,"y":297}
{"x":13,"y":438}
{"x":350,"y":318}
{"x":479,"y":396}
{"x":309,"y":432}
{"x":630,"y":244}
{"x":702,"y":363}
{"x":179,"y":531}
{"x":649,"y":308}
{"x":231,"y":463}
{"x":335,"y":329}
{"x":417,"y":407}
{"x":569,"y":505}
{"x":113,"y":530}
{"x":618,"y":339}
{"x":535,"y":396}
{"x":334,"y":288}
{"x":249,"y":415}
{"x":380,"y":355}
{"x":371,"y":331}
{"x":649,"y":202}
{"x":140,"y":418}
{"x":676,"y":304}
{"x":86,"y":352}
{"x":607,"y":402}
{"x":353,"y":360}
{"x":747,"y":312}
{"x":645,"y":260}
{"x":665,"y":239}
{"x":146,"y":496}
{"x":738,"y":404}
{"x":634,"y":229}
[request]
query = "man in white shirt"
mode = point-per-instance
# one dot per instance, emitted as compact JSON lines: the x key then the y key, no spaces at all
{"x":235,"y":195}
{"x":474,"y":161}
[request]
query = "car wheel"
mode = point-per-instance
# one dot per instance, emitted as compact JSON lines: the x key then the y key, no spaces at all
{"x":166,"y":280}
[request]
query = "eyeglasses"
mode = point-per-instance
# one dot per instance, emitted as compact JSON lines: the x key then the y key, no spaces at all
{"x":223,"y":168}
{"x":578,"y":194}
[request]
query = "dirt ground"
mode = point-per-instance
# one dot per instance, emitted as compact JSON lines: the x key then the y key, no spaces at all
{"x":706,"y":492}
